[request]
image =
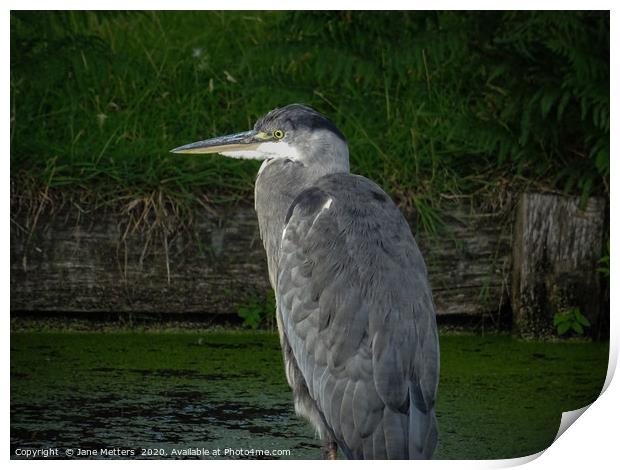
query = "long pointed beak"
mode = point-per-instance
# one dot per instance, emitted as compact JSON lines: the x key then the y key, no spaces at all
{"x":249,"y":140}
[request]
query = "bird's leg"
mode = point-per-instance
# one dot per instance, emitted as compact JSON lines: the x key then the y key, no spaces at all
{"x":330,"y":450}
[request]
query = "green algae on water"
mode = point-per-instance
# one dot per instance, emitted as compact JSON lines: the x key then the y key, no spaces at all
{"x":166,"y":394}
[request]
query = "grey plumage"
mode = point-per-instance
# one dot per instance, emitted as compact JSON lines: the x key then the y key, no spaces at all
{"x":354,"y":307}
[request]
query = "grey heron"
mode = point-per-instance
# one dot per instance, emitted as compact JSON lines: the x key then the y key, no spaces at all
{"x":354,"y":307}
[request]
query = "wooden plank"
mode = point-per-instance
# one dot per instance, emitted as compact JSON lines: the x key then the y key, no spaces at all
{"x":75,"y":262}
{"x":469,"y":262}
{"x":556,"y":248}
{"x":84,"y":264}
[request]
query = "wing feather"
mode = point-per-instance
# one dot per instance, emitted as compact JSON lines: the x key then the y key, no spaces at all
{"x":359,"y":318}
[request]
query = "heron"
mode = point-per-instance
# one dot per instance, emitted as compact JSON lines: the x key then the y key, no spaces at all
{"x":354,"y":307}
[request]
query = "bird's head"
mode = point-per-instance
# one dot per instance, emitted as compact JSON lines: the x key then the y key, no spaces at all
{"x":294,"y":132}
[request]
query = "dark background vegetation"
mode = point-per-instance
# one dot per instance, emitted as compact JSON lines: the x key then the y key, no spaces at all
{"x":433,"y":104}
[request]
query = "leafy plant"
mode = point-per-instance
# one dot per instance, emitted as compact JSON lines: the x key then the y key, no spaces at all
{"x":571,"y":319}
{"x":433,"y":104}
{"x":258,"y":311}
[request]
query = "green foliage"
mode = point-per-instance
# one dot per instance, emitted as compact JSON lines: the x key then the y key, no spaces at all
{"x":432,"y":103}
{"x":259,"y":312}
{"x":571,"y":319}
{"x":524,"y":92}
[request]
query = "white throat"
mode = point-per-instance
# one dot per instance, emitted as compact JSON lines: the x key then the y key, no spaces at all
{"x":266,"y":150}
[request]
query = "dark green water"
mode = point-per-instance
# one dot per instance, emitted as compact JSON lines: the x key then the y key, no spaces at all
{"x":165,"y":392}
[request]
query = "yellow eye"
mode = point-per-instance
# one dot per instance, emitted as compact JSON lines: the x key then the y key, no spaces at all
{"x":278,"y":134}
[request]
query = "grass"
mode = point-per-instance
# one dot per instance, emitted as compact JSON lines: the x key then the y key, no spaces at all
{"x":98,"y":99}
{"x":498,"y":397}
{"x":134,"y":86}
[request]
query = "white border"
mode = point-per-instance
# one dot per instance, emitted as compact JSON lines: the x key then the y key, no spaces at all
{"x":591,"y":442}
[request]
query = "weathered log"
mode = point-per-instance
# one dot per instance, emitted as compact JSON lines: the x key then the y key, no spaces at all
{"x":69,"y":261}
{"x":469,"y":260}
{"x":95,"y":263}
{"x":556,"y":248}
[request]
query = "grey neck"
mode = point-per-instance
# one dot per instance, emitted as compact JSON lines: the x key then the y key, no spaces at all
{"x":278,"y":182}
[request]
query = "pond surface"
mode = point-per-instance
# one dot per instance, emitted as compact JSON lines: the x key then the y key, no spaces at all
{"x":178,"y":394}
